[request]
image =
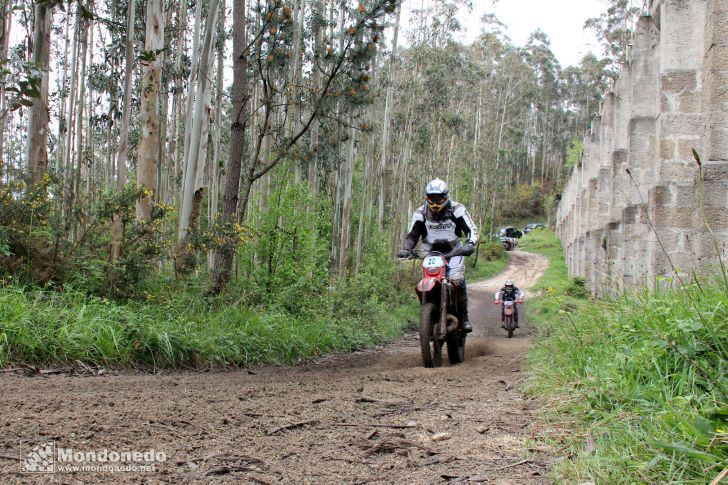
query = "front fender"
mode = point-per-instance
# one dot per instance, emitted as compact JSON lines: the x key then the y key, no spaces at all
{"x":426,"y":284}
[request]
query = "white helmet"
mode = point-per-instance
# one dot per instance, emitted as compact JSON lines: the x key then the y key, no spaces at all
{"x":436,"y":193}
{"x":437,"y":186}
{"x":509,"y":283}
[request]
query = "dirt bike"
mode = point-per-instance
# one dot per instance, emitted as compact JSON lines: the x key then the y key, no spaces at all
{"x":439,"y":324}
{"x":508,"y":309}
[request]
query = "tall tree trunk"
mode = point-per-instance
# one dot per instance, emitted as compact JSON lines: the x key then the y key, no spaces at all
{"x":348,"y":198}
{"x":215,"y":183}
{"x":174,"y":151}
{"x":313,"y":167}
{"x":240,"y":96}
{"x":191,"y":165}
{"x":117,"y":228}
{"x":386,"y":123}
{"x":7,"y":17}
{"x":75,"y":190}
{"x":341,"y":169}
{"x":66,"y":164}
{"x":297,"y":77}
{"x":160,"y":195}
{"x":90,"y":160}
{"x":202,"y":153}
{"x":37,"y":153}
{"x":191,"y":89}
{"x":147,"y":164}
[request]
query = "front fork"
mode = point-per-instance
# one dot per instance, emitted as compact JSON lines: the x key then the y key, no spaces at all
{"x":442,"y":324}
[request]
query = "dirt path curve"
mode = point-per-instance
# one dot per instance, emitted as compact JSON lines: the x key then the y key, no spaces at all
{"x":370,"y":417}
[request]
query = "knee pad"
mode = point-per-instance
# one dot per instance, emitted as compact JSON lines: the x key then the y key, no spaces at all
{"x":458,"y":279}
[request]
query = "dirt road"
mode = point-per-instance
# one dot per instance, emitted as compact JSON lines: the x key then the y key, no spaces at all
{"x":369,"y":417}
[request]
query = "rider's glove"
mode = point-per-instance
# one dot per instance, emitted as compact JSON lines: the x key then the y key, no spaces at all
{"x":468,"y":248}
{"x":404,"y":253}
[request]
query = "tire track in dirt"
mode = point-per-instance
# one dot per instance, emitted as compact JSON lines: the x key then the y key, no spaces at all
{"x":374,"y":416}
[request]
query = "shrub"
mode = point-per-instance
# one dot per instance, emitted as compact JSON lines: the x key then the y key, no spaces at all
{"x":491,"y":250}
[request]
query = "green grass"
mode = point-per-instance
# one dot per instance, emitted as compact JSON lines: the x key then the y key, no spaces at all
{"x":642,"y":375}
{"x":50,"y":328}
{"x":556,"y":288}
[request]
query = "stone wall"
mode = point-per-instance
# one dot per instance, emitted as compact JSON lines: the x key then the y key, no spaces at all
{"x":637,"y":170}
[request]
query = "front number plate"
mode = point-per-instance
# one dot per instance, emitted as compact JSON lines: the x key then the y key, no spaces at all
{"x":433,"y":262}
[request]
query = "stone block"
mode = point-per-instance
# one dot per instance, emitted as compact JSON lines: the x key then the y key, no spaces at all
{"x":670,"y":239}
{"x":596,"y":130}
{"x":685,"y":149}
{"x":715,"y":171}
{"x":642,"y":125}
{"x":678,"y":172}
{"x":604,"y":174}
{"x":686,"y":195}
{"x":682,"y":32}
{"x":716,"y":58}
{"x":629,"y":214}
{"x":673,"y":216}
{"x":667,"y":149}
{"x":716,"y":143}
{"x":716,"y":26}
{"x":619,"y":158}
{"x":678,"y":81}
{"x":661,"y":196}
{"x":715,"y":193}
{"x":690,"y":102}
{"x":717,"y":217}
{"x":716,"y":102}
{"x":681,"y":124}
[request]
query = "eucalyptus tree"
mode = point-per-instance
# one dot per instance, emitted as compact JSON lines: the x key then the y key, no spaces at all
{"x":117,"y":226}
{"x":152,"y":59}
{"x":269,"y":54}
{"x":614,"y":29}
{"x":37,"y":148}
{"x":194,"y":164}
{"x":6,"y":11}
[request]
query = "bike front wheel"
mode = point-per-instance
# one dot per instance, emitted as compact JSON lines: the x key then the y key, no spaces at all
{"x":509,"y":325}
{"x":456,"y":347}
{"x":430,"y":346}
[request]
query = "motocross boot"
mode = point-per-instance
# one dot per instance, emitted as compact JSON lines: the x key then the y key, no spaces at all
{"x":463,"y":305}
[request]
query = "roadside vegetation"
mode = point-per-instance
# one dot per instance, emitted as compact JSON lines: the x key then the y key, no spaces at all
{"x":282,"y":304}
{"x":47,"y":327}
{"x":635,"y":384}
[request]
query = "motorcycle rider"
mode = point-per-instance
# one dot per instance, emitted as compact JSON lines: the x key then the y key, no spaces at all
{"x":510,"y":292}
{"x":441,"y":222}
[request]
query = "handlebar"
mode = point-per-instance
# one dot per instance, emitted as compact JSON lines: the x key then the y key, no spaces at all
{"x":412,"y":256}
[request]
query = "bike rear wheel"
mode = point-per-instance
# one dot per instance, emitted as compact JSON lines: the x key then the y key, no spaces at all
{"x":430,"y":347}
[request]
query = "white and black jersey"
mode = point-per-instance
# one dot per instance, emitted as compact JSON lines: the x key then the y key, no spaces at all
{"x":444,"y":228}
{"x":512,"y":293}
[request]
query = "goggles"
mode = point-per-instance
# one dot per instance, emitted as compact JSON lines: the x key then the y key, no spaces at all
{"x":436,"y":199}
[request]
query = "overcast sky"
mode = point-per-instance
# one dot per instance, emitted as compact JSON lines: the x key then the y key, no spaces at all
{"x":562,"y":20}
